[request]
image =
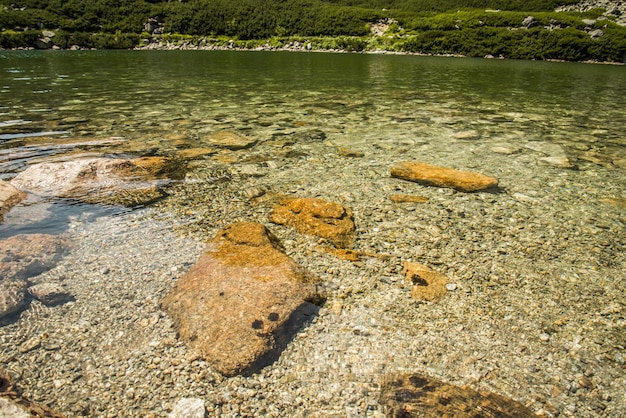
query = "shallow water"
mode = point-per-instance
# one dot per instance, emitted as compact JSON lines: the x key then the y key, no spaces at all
{"x":59,"y":105}
{"x":537,"y":265}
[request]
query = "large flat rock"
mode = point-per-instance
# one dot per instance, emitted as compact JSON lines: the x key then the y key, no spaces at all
{"x":417,"y":395}
{"x":316,"y":217}
{"x":242,"y":301}
{"x":432,"y":175}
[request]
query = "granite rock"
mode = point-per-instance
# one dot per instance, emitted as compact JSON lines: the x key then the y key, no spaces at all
{"x":317,"y":217}
{"x":101,"y":180}
{"x":189,"y":408}
{"x":50,"y":294}
{"x":13,"y":298}
{"x":407,"y":198}
{"x":229,"y":140}
{"x":28,"y":255}
{"x":243,"y":300}
{"x":417,"y":395}
{"x":426,"y":284}
{"x":431,"y":175}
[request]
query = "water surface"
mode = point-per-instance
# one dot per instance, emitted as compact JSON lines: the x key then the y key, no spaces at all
{"x":57,"y":105}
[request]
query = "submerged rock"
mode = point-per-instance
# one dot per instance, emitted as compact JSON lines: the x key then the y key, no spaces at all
{"x":560,"y":162}
{"x":101,"y":180}
{"x":316,"y":217}
{"x":432,"y":175}
{"x":12,"y":298}
{"x":21,"y":258}
{"x":229,"y":140}
{"x":50,"y":294}
{"x":28,"y":255}
{"x":189,"y":408}
{"x":418,"y":395}
{"x":9,"y":197}
{"x":407,"y":198}
{"x":505,"y":149}
{"x":426,"y":284}
{"x":243,"y":300}
{"x":467,"y":135}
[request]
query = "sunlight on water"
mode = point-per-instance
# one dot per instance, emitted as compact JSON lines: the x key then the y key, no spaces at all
{"x":163,"y":103}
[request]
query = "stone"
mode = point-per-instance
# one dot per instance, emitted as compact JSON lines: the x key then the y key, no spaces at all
{"x":12,"y":298}
{"x":189,"y":408}
{"x":195,"y":153}
{"x":243,"y":300}
{"x":407,"y":198}
{"x":9,"y":197}
{"x":317,"y":217}
{"x":505,"y":149}
{"x":11,"y":409}
{"x":426,"y":284}
{"x":43,"y":43}
{"x":229,"y":140}
{"x":346,"y":152}
{"x":529,"y":22}
{"x":418,"y":395}
{"x":101,"y":180}
{"x":431,"y":175}
{"x":548,"y":148}
{"x":596,"y":33}
{"x":50,"y":294}
{"x":28,"y":255}
{"x":467,"y":135}
{"x":560,"y":162}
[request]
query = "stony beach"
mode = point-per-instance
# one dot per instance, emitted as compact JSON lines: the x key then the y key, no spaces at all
{"x":533,"y":308}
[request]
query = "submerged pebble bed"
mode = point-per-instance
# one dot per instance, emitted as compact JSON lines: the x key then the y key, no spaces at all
{"x":535,"y":308}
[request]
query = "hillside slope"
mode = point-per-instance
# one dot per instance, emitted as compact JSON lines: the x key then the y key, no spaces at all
{"x":530,"y":29}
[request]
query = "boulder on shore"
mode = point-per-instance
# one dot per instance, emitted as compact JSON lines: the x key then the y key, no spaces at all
{"x":243,"y":300}
{"x":317,"y":217}
{"x":432,"y":175}
{"x":418,"y":395}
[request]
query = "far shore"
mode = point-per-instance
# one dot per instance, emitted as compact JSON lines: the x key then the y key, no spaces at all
{"x":171,"y":46}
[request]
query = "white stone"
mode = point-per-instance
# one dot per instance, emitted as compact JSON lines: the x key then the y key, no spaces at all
{"x":189,"y":408}
{"x":9,"y":409}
